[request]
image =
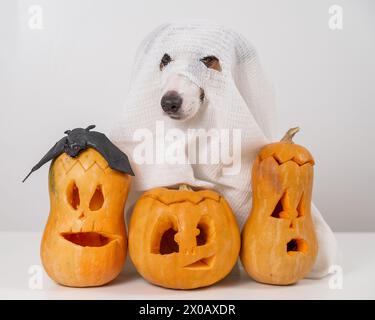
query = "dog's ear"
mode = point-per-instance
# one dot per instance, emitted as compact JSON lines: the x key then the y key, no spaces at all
{"x":212,"y":62}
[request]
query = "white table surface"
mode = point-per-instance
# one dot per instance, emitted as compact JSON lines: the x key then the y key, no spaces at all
{"x":20,"y":251}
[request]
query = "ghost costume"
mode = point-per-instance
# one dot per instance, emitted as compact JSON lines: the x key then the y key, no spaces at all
{"x":237,"y":99}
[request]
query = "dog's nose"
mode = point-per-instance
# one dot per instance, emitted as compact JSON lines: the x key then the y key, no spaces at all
{"x":171,"y":102}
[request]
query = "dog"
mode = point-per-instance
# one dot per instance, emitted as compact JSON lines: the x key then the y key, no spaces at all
{"x":170,"y":81}
{"x":181,"y":98}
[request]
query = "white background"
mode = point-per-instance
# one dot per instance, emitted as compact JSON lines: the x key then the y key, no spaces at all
{"x":75,"y":72}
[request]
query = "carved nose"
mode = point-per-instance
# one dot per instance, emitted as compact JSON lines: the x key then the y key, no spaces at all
{"x":171,"y":102}
{"x":82,"y":216}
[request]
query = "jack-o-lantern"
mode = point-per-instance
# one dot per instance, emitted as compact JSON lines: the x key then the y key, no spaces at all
{"x":183,"y":239}
{"x":84,"y":241}
{"x":279,"y":244}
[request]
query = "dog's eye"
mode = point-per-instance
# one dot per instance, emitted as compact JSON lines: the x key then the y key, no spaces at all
{"x":211,"y":62}
{"x":165,"y":60}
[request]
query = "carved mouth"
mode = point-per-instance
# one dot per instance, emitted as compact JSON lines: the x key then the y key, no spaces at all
{"x":295,"y":246}
{"x":87,"y":239}
{"x":201,"y":263}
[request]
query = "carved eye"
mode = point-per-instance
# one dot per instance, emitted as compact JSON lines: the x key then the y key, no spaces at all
{"x":164,"y":237}
{"x":97,"y":199}
{"x":203,"y":233}
{"x":165,"y":60}
{"x":211,"y":62}
{"x":72,"y":195}
{"x":206,"y":231}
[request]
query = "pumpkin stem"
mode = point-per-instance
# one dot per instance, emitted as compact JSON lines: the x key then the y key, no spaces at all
{"x":288,"y":137}
{"x":184,"y":187}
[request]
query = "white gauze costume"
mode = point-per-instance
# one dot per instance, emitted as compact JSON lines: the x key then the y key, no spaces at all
{"x":237,"y":98}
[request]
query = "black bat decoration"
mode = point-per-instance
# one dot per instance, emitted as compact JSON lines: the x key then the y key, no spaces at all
{"x":80,"y":139}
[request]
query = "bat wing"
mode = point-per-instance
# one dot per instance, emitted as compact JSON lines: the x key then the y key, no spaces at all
{"x":116,"y":159}
{"x":54,"y":152}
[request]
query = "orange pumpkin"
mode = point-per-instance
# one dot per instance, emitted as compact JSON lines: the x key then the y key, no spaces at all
{"x":84,"y":242}
{"x":183,"y":239}
{"x":279,"y":244}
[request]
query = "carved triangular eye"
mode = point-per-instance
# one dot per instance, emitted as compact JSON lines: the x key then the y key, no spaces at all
{"x":278,"y":209}
{"x":97,"y":199}
{"x":301,"y":206}
{"x":72,"y":195}
{"x":282,"y":205}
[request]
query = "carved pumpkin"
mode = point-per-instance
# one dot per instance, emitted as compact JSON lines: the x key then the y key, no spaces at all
{"x":183,"y":239}
{"x":84,"y":242}
{"x":279,"y":244}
